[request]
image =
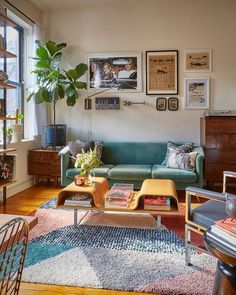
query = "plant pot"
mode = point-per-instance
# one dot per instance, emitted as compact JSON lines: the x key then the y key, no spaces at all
{"x":17,"y":134}
{"x":54,"y":135}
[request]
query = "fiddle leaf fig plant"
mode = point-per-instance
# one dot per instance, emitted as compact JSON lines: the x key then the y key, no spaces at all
{"x":53,"y":82}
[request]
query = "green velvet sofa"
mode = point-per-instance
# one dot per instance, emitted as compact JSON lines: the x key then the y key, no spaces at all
{"x":132,"y":162}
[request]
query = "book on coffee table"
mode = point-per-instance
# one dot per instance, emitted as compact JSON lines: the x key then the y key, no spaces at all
{"x":119,"y":195}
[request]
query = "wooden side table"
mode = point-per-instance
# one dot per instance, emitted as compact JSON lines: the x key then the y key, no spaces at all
{"x":225,"y":278}
{"x":44,"y":164}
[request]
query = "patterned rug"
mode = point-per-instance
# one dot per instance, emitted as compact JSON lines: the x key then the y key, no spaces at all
{"x":114,"y":251}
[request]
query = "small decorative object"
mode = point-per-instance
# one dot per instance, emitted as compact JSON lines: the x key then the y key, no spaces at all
{"x":162,"y":72}
{"x":88,"y":104}
{"x":197,"y":60}
{"x":173,"y":104}
{"x":107,"y":103}
{"x":3,"y":77}
{"x":129,"y":103}
{"x":230,"y":206}
{"x":87,"y":161}
{"x":196,"y":93}
{"x":161,"y":103}
{"x":7,"y":168}
{"x":79,"y":180}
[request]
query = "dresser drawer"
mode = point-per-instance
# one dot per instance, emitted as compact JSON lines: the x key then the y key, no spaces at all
{"x":220,"y":125}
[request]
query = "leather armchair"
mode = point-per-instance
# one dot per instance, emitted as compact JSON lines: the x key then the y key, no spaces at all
{"x":200,"y":218}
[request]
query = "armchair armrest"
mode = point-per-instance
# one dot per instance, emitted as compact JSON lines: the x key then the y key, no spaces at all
{"x":199,"y":164}
{"x":226,"y":174}
{"x":65,"y":160}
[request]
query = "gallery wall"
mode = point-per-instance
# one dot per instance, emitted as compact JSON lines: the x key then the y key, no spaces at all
{"x":121,"y":26}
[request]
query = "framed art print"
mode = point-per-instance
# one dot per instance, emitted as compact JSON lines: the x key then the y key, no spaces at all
{"x":173,"y":104}
{"x":196,"y":94}
{"x":161,"y":103}
{"x":117,"y":71}
{"x":162,"y":72}
{"x":197,"y":60}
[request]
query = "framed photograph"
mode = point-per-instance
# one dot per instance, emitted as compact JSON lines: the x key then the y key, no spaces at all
{"x":161,"y":103}
{"x":197,"y":60}
{"x":120,"y":71}
{"x":173,"y":104}
{"x":162,"y":72}
{"x":196,"y":94}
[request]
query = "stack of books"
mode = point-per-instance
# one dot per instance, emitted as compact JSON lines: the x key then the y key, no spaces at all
{"x":224,"y":231}
{"x":79,"y":199}
{"x":159,"y":203}
{"x":120,"y":195}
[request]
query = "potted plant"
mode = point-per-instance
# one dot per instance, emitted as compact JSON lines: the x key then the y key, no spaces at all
{"x":54,"y":83}
{"x":9,"y":133}
{"x":17,"y":129}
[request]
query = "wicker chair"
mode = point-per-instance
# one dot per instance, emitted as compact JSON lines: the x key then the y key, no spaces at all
{"x":199,"y":219}
{"x":13,"y":246}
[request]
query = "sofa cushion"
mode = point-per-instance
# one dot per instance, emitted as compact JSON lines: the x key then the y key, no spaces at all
{"x":178,"y":175}
{"x":207,"y":213}
{"x":130,"y":172}
{"x":101,"y":171}
{"x":184,"y":161}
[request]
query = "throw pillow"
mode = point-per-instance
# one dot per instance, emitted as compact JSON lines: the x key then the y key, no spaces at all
{"x":76,"y":147}
{"x":185,"y":161}
{"x":99,"y":148}
{"x":184,"y":148}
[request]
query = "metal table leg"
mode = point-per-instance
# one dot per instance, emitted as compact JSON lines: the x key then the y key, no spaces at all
{"x":75,"y":217}
{"x":159,"y":222}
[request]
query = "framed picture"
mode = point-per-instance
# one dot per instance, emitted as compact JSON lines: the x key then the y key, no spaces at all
{"x":196,"y":94}
{"x":173,"y":104}
{"x":162,"y":72}
{"x":197,"y":60}
{"x":161,"y":103}
{"x":120,"y":71}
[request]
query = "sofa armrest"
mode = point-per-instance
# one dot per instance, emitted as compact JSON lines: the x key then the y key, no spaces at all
{"x":199,"y":164}
{"x":65,"y":160}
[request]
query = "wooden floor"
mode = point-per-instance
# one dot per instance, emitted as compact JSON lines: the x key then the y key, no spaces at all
{"x":25,"y":203}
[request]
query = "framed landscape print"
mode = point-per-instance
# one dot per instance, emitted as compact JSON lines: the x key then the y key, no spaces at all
{"x":162,"y":72}
{"x":161,"y":103}
{"x":117,"y":71}
{"x":196,"y":94}
{"x":197,"y":60}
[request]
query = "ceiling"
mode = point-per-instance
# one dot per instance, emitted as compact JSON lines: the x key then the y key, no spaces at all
{"x":52,"y":5}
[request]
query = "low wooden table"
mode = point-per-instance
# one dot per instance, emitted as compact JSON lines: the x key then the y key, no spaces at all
{"x":150,"y":187}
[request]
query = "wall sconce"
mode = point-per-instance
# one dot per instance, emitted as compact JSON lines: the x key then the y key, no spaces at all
{"x":129,"y":103}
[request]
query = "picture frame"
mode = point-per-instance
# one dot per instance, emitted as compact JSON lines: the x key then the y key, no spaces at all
{"x":161,"y":103}
{"x":162,"y":72}
{"x":173,"y":103}
{"x":196,"y":93}
{"x":115,"y":71}
{"x":198,"y":60}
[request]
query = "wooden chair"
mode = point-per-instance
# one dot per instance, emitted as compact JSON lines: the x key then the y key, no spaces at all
{"x":13,"y":245}
{"x":199,"y":219}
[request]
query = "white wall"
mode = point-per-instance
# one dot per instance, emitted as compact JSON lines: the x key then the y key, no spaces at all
{"x":148,"y":25}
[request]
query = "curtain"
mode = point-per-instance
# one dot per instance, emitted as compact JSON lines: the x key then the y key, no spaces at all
{"x":37,"y":114}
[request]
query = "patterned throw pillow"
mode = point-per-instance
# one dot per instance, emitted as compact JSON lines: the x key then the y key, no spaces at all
{"x":75,"y":148}
{"x":184,"y":148}
{"x":99,"y":148}
{"x":178,"y":160}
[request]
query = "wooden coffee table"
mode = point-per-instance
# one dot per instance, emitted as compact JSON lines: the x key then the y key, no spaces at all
{"x":150,"y":187}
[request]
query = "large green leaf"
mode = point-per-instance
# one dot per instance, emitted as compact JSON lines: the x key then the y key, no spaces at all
{"x":47,"y":96}
{"x":80,"y":85}
{"x":56,"y":60}
{"x":54,"y":47}
{"x":71,"y":100}
{"x":38,"y":97}
{"x":73,"y":74}
{"x":70,"y":90}
{"x":43,"y":64}
{"x":54,"y":74}
{"x":40,"y":43}
{"x":42,"y":53}
{"x":81,"y":69}
{"x":60,"y":91}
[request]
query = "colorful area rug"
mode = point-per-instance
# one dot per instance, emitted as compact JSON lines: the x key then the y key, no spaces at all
{"x":114,"y":251}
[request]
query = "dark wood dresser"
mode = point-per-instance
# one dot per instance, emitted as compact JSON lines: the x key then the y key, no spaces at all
{"x":44,"y":164}
{"x":218,"y":136}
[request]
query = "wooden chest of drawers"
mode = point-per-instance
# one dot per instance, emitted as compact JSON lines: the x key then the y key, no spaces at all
{"x":218,"y":136}
{"x":44,"y":164}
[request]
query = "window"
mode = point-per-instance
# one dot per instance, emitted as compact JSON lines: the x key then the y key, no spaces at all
{"x":14,"y":69}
